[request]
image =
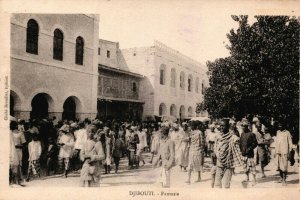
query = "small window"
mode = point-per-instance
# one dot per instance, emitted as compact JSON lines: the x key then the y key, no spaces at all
{"x":202,"y":88}
{"x":58,"y":45}
{"x":98,"y":51}
{"x":134,"y":86}
{"x":182,"y":77}
{"x":32,"y":37}
{"x":162,"y":75}
{"x":108,"y":54}
{"x":134,"y":54}
{"x":79,"y":51}
{"x":173,"y":77}
{"x":190,"y":83}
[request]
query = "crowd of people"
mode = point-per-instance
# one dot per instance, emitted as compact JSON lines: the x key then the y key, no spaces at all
{"x":92,"y":148}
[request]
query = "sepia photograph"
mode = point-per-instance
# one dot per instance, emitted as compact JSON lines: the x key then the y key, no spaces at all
{"x":155,"y":99}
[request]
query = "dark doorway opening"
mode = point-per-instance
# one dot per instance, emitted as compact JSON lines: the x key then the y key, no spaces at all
{"x":39,"y":106}
{"x":69,"y":112}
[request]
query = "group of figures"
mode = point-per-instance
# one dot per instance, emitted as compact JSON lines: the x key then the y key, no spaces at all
{"x":91,"y":148}
{"x":229,"y":144}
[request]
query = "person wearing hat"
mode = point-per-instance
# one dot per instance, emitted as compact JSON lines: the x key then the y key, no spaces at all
{"x":66,"y":143}
{"x":228,"y":155}
{"x":283,"y":147}
{"x":91,"y":154}
{"x":35,"y":151}
{"x":180,"y":139}
{"x":211,"y":136}
{"x":248,"y":143}
{"x":166,"y":154}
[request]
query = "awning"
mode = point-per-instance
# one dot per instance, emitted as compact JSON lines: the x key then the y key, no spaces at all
{"x":120,"y":99}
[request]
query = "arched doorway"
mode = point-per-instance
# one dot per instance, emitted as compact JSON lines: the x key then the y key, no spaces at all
{"x":182,"y":112}
{"x":69,"y":112}
{"x":39,"y":105}
{"x":173,"y":110}
{"x":190,"y":111}
{"x":162,"y":109}
{"x":14,"y":103}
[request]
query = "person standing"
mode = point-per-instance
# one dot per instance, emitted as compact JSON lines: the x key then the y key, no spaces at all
{"x":283,"y":146}
{"x":66,"y":143}
{"x":155,"y":141}
{"x":118,"y":151}
{"x":80,"y":139}
{"x":109,"y":142}
{"x":133,"y":140}
{"x":175,"y":137}
{"x":35,"y":151}
{"x":263,"y":141}
{"x":196,"y":151}
{"x":167,"y":156}
{"x":228,"y":154}
{"x":52,"y":155}
{"x":211,"y":139}
{"x":142,"y":144}
{"x":248,"y":143}
{"x":183,"y":149}
{"x":17,"y":141}
{"x":91,"y":154}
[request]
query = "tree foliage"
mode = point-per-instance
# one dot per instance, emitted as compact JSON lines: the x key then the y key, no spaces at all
{"x":260,"y":77}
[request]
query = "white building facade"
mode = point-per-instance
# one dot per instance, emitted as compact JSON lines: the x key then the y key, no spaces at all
{"x":173,"y":83}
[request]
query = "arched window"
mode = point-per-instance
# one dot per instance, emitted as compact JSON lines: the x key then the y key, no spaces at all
{"x":162,"y":109}
{"x":173,"y":110}
{"x":173,"y":77}
{"x":197,"y":85}
{"x":134,"y":86}
{"x":58,"y":45}
{"x":182,"y":112}
{"x":202,"y":87}
{"x":162,"y":74}
{"x":190,"y":111}
{"x":32,"y":37}
{"x":182,"y":79}
{"x":79,"y":50}
{"x":190,"y":83}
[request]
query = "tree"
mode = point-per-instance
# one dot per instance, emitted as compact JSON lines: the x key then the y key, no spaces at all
{"x":260,"y":77}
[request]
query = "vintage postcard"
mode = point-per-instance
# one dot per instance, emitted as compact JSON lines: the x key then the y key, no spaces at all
{"x":146,"y":99}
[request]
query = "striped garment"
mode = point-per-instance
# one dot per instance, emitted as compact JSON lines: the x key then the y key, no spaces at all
{"x":228,"y":151}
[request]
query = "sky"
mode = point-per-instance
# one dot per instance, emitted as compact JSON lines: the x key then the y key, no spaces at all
{"x":196,"y":28}
{"x":193,"y":27}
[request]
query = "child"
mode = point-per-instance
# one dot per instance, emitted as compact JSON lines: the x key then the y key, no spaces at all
{"x":35,"y":150}
{"x":213,"y":169}
{"x":52,"y":154}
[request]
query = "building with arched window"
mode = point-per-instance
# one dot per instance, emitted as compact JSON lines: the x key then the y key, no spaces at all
{"x":79,"y":50}
{"x":32,"y":36}
{"x":159,"y":65}
{"x":58,"y":44}
{"x":54,"y":67}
